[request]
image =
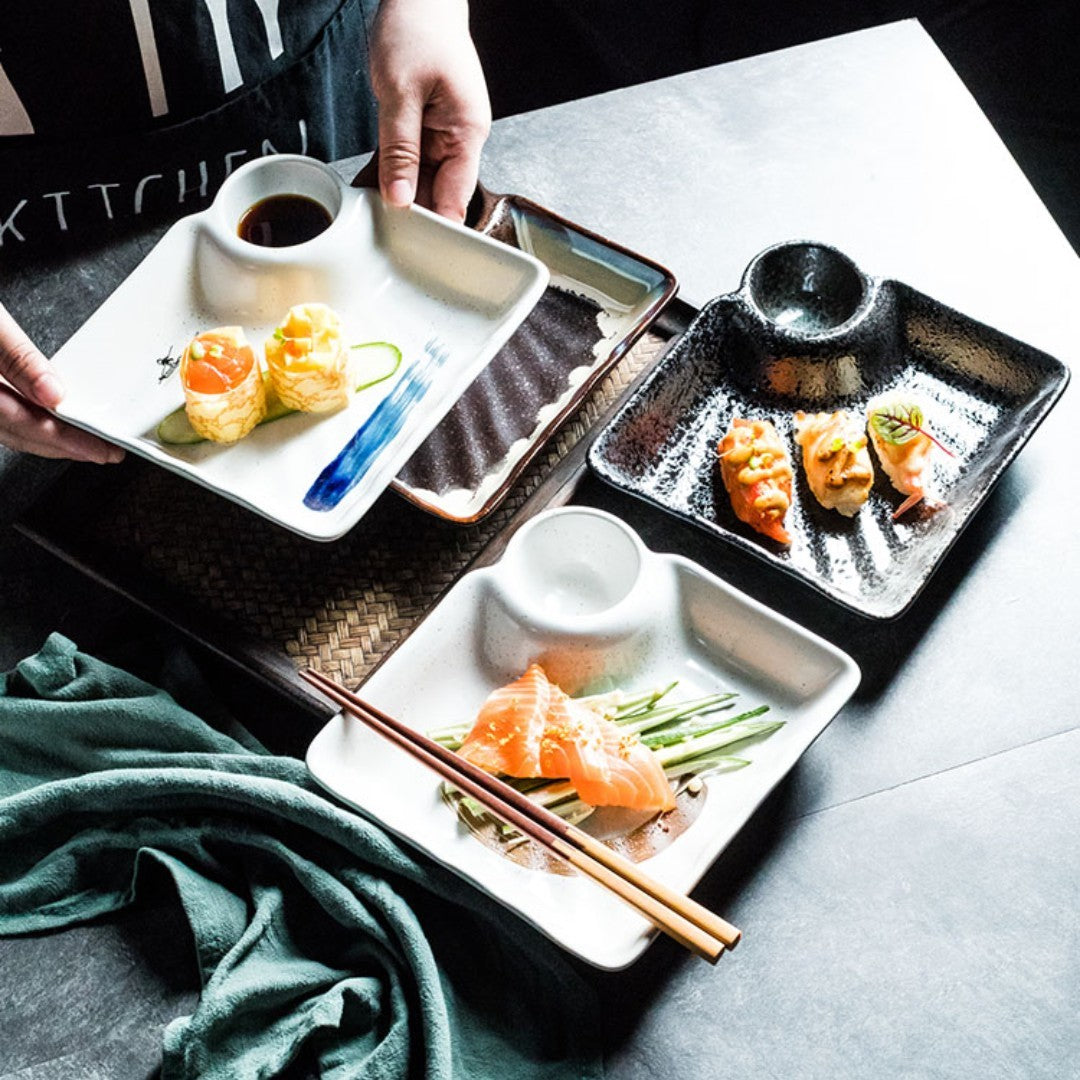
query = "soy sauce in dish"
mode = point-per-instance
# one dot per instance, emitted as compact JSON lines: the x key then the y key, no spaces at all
{"x":283,"y":220}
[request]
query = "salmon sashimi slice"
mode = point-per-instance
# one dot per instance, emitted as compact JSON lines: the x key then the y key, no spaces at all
{"x":573,"y":744}
{"x":635,"y":777}
{"x":508,"y":731}
{"x":532,"y":728}
{"x":217,"y":361}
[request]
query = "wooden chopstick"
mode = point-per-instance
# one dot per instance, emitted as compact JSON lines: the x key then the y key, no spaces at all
{"x":489,"y":791}
{"x":684,"y":919}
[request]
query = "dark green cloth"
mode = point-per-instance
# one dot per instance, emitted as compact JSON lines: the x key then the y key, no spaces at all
{"x":315,"y":933}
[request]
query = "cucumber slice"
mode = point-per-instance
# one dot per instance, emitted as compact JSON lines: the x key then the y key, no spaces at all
{"x":377,"y":362}
{"x":176,"y":430}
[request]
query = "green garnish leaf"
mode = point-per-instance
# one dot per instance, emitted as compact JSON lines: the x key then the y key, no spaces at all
{"x":279,"y":334}
{"x":898,"y":422}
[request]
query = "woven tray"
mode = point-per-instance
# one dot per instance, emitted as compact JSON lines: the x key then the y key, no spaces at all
{"x":272,"y":600}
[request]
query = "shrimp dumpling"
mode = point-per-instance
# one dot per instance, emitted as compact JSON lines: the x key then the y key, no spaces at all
{"x":836,"y":459}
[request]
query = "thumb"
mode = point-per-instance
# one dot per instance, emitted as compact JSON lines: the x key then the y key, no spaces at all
{"x":400,"y":123}
{"x":24,"y":367}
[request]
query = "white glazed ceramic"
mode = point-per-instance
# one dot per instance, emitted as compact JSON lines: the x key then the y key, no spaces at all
{"x":575,"y":590}
{"x":244,"y":282}
{"x":672,"y":620}
{"x":403,"y":276}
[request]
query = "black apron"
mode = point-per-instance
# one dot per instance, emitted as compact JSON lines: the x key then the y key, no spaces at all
{"x":89,"y":175}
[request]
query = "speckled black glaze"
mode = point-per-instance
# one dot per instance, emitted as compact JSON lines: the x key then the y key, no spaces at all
{"x":984,"y":394}
{"x":503,"y":402}
{"x":811,"y":326}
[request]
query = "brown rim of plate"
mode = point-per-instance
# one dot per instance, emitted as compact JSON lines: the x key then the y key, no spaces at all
{"x":485,"y":212}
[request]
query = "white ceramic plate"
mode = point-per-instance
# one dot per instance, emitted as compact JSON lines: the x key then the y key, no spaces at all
{"x":403,"y":276}
{"x":577,"y":591}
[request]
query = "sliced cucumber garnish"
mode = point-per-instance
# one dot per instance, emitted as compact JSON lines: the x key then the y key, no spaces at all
{"x":375,"y":361}
{"x":176,"y":429}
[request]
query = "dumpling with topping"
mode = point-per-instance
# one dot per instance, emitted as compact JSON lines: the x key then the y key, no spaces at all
{"x":836,"y":459}
{"x":903,"y":445}
{"x":308,"y":361}
{"x":756,"y":471}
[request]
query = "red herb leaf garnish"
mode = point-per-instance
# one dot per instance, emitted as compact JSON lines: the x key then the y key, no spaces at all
{"x":899,"y":422}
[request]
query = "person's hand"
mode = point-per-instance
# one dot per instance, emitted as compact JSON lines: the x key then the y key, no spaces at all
{"x":28,"y":387}
{"x":434,"y":113}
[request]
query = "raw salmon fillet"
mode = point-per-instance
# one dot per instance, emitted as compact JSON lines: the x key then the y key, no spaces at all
{"x":532,"y":728}
{"x":507,"y":733}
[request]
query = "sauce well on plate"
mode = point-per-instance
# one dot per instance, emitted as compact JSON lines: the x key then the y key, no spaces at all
{"x":283,"y":220}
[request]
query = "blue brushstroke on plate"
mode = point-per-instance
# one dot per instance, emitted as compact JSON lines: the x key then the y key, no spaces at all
{"x":359,"y":453}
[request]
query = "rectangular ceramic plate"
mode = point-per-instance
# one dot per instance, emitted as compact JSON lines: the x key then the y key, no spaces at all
{"x":400,"y":276}
{"x":600,"y":299}
{"x":984,"y":394}
{"x":703,"y":632}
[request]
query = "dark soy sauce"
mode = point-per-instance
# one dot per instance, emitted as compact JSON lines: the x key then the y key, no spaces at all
{"x":283,"y":220}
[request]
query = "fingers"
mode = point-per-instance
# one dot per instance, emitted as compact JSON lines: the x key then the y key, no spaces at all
{"x":30,"y":388}
{"x":437,"y":169}
{"x":455,"y":180}
{"x":434,"y":112}
{"x":401,"y":117}
{"x":25,"y":427}
{"x":24,"y":366}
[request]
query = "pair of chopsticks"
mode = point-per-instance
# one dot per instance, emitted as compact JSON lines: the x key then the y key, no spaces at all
{"x":683,"y":919}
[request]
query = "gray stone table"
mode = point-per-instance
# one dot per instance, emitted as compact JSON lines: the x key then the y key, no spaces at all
{"x":909,"y":896}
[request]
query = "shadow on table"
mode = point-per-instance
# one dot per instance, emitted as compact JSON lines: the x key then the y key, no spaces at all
{"x":628,"y":996}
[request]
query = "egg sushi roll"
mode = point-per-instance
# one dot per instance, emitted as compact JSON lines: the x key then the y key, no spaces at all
{"x":224,"y":393}
{"x":308,"y":362}
{"x":836,"y":459}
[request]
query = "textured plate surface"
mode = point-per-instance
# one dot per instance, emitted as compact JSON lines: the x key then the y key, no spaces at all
{"x":599,"y":300}
{"x":984,"y":394}
{"x":698,"y":630}
{"x":399,"y":276}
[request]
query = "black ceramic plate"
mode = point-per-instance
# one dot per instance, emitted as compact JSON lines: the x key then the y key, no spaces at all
{"x":807,"y":330}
